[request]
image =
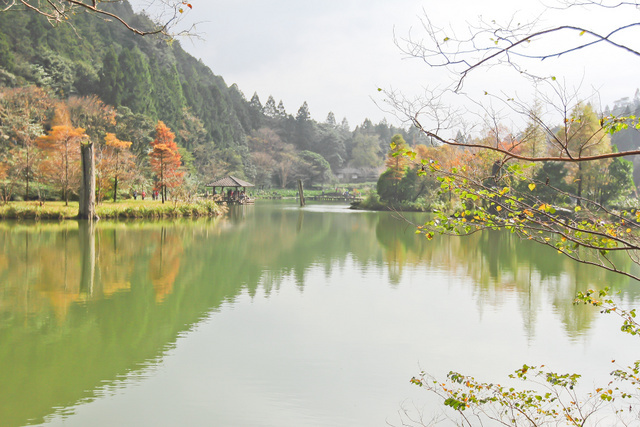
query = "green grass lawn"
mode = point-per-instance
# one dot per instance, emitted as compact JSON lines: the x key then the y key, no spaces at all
{"x":107,"y":209}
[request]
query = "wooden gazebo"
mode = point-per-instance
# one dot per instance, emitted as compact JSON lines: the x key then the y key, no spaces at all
{"x":233,"y":194}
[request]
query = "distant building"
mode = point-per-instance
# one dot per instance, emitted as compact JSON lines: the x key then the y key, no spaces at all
{"x":356,"y":175}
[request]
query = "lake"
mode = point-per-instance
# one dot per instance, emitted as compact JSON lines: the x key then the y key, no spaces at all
{"x":277,"y":315}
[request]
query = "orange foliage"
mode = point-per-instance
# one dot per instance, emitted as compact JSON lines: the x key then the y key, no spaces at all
{"x":112,"y":141}
{"x":115,"y":163}
{"x":164,"y":266}
{"x":447,"y":157}
{"x":165,"y":159}
{"x":62,"y":166}
{"x":61,"y":116}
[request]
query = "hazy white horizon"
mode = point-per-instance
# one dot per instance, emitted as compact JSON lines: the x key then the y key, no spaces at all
{"x":335,"y":54}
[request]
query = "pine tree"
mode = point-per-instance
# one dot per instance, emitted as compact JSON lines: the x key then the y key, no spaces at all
{"x":138,"y":88}
{"x":255,"y":102}
{"x":282,"y":113}
{"x":305,"y":129}
{"x":110,"y":79}
{"x":331,"y":119}
{"x":303,"y":113}
{"x":270,"y":109}
{"x":168,"y":89}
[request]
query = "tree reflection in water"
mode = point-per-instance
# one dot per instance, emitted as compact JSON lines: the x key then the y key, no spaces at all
{"x":81,"y":305}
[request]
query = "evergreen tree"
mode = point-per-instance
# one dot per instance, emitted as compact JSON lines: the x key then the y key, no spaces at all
{"x":270,"y":110}
{"x":110,"y":79}
{"x":553,"y":174}
{"x":255,"y":111}
{"x":6,"y":55}
{"x":168,"y":95}
{"x":282,"y":113}
{"x":255,"y":102}
{"x":344,"y":125}
{"x":331,"y":119}
{"x":303,"y":113}
{"x":138,"y":90}
{"x":331,"y":146}
{"x":304,"y":129}
{"x":619,"y":183}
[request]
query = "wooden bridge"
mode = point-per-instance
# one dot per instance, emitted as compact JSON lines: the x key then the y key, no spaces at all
{"x":336,"y":198}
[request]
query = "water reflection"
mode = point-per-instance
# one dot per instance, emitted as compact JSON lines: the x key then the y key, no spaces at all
{"x":82,"y":305}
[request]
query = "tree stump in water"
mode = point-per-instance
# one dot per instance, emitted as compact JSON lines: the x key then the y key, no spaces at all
{"x":87,"y":208}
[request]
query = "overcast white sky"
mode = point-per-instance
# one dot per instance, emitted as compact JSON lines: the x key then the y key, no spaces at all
{"x":334,"y":54}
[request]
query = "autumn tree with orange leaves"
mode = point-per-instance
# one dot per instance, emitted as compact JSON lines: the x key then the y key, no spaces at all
{"x":62,"y":165}
{"x":165,"y":159}
{"x":116,"y":162}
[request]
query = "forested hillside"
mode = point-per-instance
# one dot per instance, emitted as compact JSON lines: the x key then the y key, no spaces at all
{"x":91,"y":65}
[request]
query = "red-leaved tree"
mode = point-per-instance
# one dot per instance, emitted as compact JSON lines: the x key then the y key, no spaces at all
{"x":165,"y":159}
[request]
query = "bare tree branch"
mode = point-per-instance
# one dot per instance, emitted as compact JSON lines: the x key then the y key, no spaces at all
{"x":60,"y":11}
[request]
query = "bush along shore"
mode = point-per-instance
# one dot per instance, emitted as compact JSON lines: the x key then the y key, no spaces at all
{"x":109,"y":210}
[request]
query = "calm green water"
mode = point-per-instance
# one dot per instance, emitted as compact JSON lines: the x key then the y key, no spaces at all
{"x":277,"y":316}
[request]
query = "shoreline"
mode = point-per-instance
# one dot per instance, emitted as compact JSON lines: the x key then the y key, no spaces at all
{"x":127,"y":209}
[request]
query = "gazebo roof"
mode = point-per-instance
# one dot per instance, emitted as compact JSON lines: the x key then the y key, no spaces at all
{"x":230,"y":181}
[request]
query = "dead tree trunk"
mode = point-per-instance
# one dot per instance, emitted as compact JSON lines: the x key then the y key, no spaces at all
{"x":87,"y":209}
{"x":87,"y":237}
{"x":301,"y":193}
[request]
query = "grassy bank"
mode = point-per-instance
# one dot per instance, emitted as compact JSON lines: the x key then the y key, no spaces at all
{"x":372,"y":202}
{"x":109,"y":210}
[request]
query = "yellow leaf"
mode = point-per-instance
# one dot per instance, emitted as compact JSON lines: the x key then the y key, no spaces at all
{"x":532,"y":186}
{"x":498,"y":208}
{"x":578,"y":209}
